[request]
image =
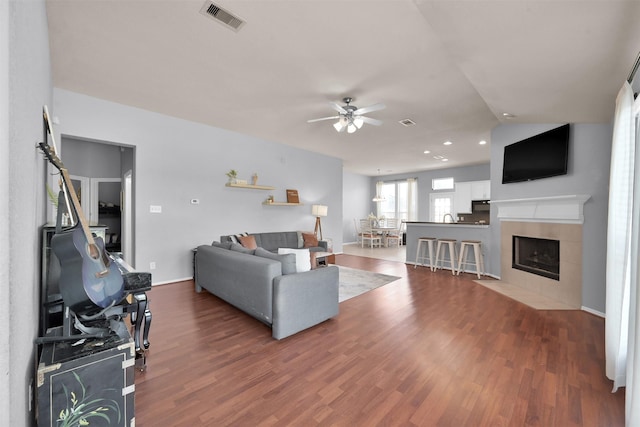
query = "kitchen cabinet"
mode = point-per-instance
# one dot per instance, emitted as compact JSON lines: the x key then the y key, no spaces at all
{"x":480,"y":190}
{"x":462,"y":198}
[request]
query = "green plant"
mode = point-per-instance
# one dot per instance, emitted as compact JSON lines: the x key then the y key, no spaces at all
{"x":53,"y":197}
{"x":232,"y":174}
{"x":80,"y":412}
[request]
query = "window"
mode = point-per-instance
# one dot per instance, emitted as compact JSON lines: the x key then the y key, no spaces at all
{"x":441,"y":205}
{"x":442,"y":184}
{"x":399,"y":197}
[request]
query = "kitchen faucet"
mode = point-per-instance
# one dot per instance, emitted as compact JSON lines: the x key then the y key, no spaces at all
{"x":444,"y":218}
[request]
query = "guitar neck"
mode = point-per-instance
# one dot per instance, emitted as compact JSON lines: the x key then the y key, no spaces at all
{"x":77,"y":207}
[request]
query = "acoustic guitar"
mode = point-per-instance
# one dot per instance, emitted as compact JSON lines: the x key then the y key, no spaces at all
{"x":88,"y":278}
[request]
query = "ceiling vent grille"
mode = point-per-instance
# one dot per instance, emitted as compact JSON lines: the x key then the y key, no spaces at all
{"x":222,"y":16}
{"x":407,"y":122}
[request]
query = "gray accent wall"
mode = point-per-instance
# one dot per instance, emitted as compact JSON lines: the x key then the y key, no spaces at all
{"x":588,"y":173}
{"x":178,"y":160}
{"x":25,"y":86}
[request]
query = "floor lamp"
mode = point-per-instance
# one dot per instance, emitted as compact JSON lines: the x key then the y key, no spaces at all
{"x":318,"y":211}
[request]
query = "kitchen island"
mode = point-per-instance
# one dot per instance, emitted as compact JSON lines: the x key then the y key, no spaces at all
{"x":440,"y":230}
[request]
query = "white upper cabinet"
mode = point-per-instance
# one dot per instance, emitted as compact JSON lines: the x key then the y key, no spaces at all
{"x":480,"y":190}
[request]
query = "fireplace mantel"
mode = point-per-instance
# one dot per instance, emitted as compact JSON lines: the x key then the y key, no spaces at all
{"x":560,"y":209}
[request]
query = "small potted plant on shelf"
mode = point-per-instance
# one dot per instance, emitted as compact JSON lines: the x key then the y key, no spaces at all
{"x":270,"y":199}
{"x":232,"y":175}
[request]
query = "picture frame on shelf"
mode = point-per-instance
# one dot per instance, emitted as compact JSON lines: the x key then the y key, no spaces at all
{"x":292,"y":196}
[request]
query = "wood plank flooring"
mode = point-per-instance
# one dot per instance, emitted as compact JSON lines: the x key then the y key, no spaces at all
{"x":429,"y":349}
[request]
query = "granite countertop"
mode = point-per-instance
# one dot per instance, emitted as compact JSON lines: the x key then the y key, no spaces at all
{"x":450,"y":224}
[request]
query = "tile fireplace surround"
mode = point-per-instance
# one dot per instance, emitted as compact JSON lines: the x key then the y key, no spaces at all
{"x":557,"y":218}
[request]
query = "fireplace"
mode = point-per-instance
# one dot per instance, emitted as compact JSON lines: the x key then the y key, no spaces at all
{"x":558,"y":218}
{"x":537,"y":256}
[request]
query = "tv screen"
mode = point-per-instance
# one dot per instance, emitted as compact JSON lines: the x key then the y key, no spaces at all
{"x":540,"y":156}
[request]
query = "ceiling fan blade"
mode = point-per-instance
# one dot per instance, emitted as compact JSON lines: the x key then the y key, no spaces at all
{"x":374,"y":107}
{"x":371,"y":121}
{"x":338,"y":108}
{"x":323,"y":118}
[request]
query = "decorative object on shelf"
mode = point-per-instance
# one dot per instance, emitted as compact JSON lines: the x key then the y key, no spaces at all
{"x":241,"y":182}
{"x":254,"y":179}
{"x":292,"y":196}
{"x":318,"y":211}
{"x":232,"y":175}
{"x":270,"y":198}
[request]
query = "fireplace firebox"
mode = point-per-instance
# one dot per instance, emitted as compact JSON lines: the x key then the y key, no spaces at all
{"x":537,"y":256}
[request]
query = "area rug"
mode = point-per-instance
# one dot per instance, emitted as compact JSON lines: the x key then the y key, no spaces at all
{"x":354,"y":282}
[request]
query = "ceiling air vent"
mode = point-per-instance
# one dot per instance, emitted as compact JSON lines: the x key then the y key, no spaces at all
{"x":407,"y":122}
{"x":220,"y":15}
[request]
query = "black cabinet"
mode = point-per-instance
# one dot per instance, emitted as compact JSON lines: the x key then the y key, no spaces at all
{"x":87,"y":384}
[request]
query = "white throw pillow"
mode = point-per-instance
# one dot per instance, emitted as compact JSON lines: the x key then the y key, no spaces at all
{"x":303,"y":258}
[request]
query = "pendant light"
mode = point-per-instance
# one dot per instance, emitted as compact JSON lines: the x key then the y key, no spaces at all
{"x":378,"y":197}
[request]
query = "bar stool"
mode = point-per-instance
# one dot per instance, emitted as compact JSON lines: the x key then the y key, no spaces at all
{"x":420,"y":252}
{"x":451,"y":244}
{"x":476,"y":245}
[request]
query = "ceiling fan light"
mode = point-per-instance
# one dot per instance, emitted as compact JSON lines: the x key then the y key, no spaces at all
{"x":338,"y":125}
{"x":358,"y":122}
{"x":351,"y":128}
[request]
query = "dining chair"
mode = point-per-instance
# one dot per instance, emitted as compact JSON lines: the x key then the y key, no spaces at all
{"x":358,"y":231}
{"x":368,"y":234}
{"x":394,"y":235}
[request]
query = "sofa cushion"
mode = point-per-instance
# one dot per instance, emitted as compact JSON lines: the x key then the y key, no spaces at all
{"x":248,"y":242}
{"x":303,"y":258}
{"x":223,"y":245}
{"x":310,"y":240}
{"x":288,"y":261}
{"x":239,"y":248}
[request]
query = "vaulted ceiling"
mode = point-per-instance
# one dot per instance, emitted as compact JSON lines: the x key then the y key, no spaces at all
{"x":452,"y":67}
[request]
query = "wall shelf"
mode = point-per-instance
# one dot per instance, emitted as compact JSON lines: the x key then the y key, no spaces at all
{"x":255,"y":187}
{"x":281,"y":204}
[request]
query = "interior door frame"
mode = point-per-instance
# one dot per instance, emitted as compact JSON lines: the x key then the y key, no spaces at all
{"x":95,"y":196}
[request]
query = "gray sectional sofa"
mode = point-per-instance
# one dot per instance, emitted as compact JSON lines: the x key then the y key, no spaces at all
{"x":254,"y":282}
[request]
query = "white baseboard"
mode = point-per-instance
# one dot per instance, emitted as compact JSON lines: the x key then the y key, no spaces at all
{"x":594,"y":312}
{"x":168,"y":282}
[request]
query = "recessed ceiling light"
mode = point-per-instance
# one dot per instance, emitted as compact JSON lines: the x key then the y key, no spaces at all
{"x":407,"y":122}
{"x":448,"y":143}
{"x":445,"y":160}
{"x":426,"y":151}
{"x":483,"y":142}
{"x":508,"y":115}
{"x":438,"y":157}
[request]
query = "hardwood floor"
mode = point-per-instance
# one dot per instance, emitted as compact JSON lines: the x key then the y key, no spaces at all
{"x":429,"y":349}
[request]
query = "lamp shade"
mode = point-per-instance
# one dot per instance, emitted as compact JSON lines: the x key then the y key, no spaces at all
{"x":319,"y":210}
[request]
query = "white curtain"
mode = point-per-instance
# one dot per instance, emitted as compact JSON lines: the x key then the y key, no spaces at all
{"x":412,"y":199}
{"x":379,"y":186}
{"x":619,"y":239}
{"x":622,"y":254}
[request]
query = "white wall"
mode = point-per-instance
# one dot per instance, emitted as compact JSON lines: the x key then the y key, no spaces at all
{"x":356,"y":199}
{"x":25,"y":85}
{"x":178,"y":160}
{"x":588,"y":173}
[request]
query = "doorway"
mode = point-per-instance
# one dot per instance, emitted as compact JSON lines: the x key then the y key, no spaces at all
{"x":103,"y":170}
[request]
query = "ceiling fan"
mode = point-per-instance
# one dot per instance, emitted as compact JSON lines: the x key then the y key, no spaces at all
{"x":351,"y":117}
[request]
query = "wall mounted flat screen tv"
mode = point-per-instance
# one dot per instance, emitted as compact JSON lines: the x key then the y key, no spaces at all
{"x":540,"y":156}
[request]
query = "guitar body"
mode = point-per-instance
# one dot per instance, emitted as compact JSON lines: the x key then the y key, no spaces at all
{"x":86,"y":280}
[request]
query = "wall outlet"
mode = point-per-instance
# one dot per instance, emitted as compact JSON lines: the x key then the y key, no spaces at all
{"x":152,"y":265}
{"x":155,"y":209}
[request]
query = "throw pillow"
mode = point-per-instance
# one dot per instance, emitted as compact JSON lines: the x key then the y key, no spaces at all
{"x":288,"y":261}
{"x":248,"y":242}
{"x":310,"y":240}
{"x":303,"y":258}
{"x":239,"y":248}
